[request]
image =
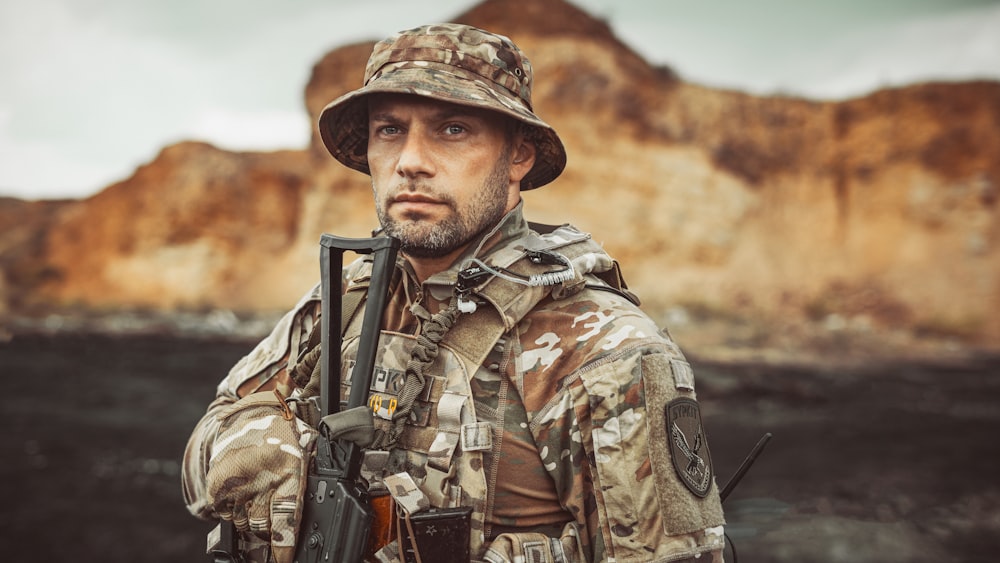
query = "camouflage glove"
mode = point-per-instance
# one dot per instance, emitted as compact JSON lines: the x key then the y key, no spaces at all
{"x":257,"y":470}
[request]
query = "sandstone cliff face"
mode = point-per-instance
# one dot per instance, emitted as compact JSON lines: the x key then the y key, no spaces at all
{"x":881,"y":209}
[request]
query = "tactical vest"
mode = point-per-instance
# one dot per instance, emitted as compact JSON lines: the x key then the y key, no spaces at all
{"x":443,"y":442}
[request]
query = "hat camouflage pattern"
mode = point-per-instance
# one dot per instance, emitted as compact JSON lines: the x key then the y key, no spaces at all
{"x":450,"y":62}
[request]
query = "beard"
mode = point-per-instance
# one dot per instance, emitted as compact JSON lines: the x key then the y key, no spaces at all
{"x":425,"y":239}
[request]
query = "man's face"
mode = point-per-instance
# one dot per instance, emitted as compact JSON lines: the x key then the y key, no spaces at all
{"x":441,"y":173}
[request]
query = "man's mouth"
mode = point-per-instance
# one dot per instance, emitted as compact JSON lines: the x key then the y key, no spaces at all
{"x":415,"y":198}
{"x":417,"y":205}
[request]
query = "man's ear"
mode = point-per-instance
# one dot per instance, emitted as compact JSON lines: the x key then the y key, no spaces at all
{"x":523,"y":158}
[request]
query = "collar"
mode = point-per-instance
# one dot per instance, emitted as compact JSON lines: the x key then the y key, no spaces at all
{"x":511,"y":228}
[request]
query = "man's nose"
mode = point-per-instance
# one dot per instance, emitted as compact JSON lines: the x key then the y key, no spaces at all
{"x":415,"y":158}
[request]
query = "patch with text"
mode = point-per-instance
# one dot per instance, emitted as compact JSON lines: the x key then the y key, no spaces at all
{"x":688,"y":445}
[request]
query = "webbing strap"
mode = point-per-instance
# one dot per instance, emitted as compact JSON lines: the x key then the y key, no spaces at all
{"x":350,"y":303}
{"x":449,"y":413}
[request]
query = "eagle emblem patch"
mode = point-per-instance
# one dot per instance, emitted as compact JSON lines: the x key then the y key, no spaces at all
{"x":688,"y":445}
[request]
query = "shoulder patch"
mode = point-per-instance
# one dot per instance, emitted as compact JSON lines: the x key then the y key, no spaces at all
{"x":688,"y":445}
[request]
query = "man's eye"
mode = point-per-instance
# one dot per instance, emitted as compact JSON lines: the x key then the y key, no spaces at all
{"x":389,"y":130}
{"x":454,"y":129}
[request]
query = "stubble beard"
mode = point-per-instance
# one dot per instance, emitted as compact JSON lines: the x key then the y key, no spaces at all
{"x":426,"y":239}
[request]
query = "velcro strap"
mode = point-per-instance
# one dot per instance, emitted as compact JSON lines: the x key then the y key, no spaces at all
{"x":683,"y":375}
{"x":406,"y":493}
{"x":449,"y":413}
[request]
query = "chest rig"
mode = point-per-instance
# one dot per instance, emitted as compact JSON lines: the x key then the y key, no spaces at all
{"x":441,"y":443}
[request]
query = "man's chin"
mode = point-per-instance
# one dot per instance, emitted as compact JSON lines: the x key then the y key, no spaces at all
{"x":438,"y":244}
{"x":420,"y":240}
{"x":425,"y":252}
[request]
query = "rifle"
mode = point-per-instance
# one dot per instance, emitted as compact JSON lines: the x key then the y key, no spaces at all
{"x":337,"y":513}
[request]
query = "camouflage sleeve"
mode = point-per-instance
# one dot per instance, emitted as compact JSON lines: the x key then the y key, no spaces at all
{"x":262,"y":369}
{"x":623,"y":442}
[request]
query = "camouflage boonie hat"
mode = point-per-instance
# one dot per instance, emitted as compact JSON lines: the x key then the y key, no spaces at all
{"x":450,"y":62}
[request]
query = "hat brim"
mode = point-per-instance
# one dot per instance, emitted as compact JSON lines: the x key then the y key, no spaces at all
{"x":343,"y":124}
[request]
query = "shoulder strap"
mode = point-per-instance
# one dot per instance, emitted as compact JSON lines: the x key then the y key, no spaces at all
{"x":305,"y":374}
{"x":350,"y":305}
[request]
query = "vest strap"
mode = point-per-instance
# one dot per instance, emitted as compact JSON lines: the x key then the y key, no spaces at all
{"x":449,"y":413}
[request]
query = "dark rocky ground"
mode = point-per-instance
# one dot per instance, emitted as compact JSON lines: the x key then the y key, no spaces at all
{"x":890,"y":462}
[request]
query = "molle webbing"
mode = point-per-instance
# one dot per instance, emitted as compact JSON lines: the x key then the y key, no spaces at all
{"x":423,"y":355}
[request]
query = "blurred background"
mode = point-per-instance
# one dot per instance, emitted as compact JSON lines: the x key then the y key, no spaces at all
{"x":93,"y":89}
{"x":805,"y":193}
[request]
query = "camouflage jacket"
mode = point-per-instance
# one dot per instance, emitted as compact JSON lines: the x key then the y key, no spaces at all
{"x":572,"y":433}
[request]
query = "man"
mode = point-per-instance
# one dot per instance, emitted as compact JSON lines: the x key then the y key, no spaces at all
{"x":546,"y":402}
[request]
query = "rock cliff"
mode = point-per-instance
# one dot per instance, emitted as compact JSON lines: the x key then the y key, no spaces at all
{"x":880,"y":211}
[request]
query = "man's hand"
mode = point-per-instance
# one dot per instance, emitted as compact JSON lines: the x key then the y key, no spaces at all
{"x":257,"y":470}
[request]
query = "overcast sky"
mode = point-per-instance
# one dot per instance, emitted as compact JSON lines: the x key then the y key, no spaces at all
{"x":91,"y":89}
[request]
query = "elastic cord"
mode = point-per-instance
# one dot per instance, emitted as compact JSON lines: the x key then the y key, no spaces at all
{"x":534,"y":280}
